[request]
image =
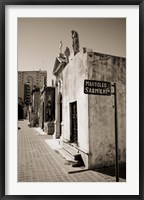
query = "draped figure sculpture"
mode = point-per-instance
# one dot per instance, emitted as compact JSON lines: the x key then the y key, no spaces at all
{"x":75,"y":42}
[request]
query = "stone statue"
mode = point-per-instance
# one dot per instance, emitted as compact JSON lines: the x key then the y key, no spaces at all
{"x":75,"y":40}
{"x":49,"y":111}
{"x":60,"y":47}
{"x":67,"y":54}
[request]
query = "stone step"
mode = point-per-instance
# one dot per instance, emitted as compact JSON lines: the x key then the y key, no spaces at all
{"x":72,"y":157}
{"x":67,"y":156}
{"x":70,"y":146}
{"x":72,"y":152}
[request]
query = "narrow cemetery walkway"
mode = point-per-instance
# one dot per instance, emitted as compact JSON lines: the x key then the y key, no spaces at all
{"x":39,"y":162}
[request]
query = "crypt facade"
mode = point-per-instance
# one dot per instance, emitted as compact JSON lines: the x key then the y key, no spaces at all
{"x":85,"y":122}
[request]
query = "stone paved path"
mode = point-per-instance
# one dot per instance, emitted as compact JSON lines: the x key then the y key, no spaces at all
{"x":38,"y":162}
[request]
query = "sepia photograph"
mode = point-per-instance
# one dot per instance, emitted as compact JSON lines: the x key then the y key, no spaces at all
{"x":71,"y":99}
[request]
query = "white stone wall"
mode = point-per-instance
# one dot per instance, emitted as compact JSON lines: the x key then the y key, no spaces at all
{"x":73,"y":80}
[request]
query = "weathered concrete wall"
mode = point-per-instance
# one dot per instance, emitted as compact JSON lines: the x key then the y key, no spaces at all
{"x":73,"y":82}
{"x":101,"y":110}
{"x":95,"y":114}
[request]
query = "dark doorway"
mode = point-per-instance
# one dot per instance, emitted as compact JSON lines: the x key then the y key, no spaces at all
{"x":73,"y":122}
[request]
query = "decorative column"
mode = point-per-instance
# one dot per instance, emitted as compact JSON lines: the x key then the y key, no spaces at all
{"x":60,"y":64}
{"x":57,"y":108}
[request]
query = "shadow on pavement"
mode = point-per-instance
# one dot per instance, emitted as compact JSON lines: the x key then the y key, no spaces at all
{"x":111,"y":171}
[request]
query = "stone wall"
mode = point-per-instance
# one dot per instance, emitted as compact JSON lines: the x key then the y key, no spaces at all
{"x":101,"y":110}
{"x":47,"y":95}
{"x":95,"y":114}
{"x":73,"y":80}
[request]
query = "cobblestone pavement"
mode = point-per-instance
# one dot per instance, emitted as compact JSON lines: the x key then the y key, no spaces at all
{"x":38,"y":162}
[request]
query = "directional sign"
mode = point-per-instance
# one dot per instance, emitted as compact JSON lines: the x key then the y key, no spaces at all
{"x":97,"y":87}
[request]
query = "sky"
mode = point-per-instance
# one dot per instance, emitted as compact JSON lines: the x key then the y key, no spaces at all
{"x":39,"y":39}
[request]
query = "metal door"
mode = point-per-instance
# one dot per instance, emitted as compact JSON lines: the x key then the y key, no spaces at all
{"x":73,"y":122}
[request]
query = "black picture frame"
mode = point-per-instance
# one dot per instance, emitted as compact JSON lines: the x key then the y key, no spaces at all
{"x":3,"y":3}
